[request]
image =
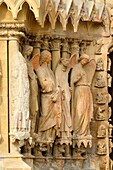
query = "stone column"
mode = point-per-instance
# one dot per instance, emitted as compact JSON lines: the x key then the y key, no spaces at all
{"x":55,"y":48}
{"x":36,"y":47}
{"x":13,"y":44}
{"x":4,"y":145}
{"x":65,"y":50}
{"x":9,"y":159}
{"x":45,"y":44}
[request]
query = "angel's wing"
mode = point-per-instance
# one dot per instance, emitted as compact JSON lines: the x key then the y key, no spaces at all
{"x":72,"y":61}
{"x":35,"y":61}
{"x":90,"y":69}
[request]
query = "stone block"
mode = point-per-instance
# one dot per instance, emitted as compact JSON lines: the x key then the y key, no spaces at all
{"x":12,"y":162}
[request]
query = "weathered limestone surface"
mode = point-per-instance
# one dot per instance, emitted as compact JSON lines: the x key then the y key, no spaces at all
{"x":56,"y":108}
{"x":3,"y":97}
{"x":12,"y":161}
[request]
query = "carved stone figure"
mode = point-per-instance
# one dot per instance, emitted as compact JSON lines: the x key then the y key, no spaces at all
{"x":99,"y":45}
{"x":101,"y":148}
{"x":61,"y":74}
{"x":101,"y":133}
{"x":50,"y":118}
{"x":20,"y":96}
{"x":82,"y":102}
{"x":100,"y":82}
{"x":100,"y":113}
{"x":100,"y":98}
{"x":33,"y":102}
{"x":100,"y":65}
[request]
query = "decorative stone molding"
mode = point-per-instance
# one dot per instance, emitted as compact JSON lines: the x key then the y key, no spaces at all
{"x":63,"y":10}
{"x":12,"y":29}
{"x":16,"y":6}
{"x":55,"y":45}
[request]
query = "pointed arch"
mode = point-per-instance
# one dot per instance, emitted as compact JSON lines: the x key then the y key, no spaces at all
{"x":34,"y":7}
{"x":8,"y":3}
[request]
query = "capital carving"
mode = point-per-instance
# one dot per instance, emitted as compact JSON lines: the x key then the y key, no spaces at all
{"x":75,"y":47}
{"x":45,"y":44}
{"x":12,"y":29}
{"x":65,"y":46}
{"x":55,"y":45}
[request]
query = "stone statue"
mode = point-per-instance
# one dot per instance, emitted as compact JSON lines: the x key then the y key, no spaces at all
{"x":101,"y":133}
{"x":61,"y":75}
{"x":50,"y":118}
{"x":33,"y":100}
{"x":100,"y":113}
{"x":82,"y":102}
{"x":19,"y":96}
{"x":100,"y":82}
{"x":100,"y":64}
{"x":101,"y":148}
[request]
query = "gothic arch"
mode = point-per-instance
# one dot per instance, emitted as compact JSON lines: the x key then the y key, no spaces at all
{"x":17,"y":6}
{"x":8,"y":3}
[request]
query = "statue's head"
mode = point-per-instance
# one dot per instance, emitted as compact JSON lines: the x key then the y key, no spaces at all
{"x":45,"y":57}
{"x":27,"y":50}
{"x":84,"y":59}
{"x":65,"y":61}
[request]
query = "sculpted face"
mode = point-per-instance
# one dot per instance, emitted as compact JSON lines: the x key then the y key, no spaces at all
{"x":48,"y":59}
{"x":29,"y":51}
{"x":84,"y":61}
{"x":65,"y":61}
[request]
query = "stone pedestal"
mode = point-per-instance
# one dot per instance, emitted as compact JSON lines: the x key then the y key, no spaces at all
{"x":13,"y":162}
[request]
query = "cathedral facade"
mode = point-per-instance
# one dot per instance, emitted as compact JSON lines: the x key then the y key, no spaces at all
{"x":56,"y":88}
